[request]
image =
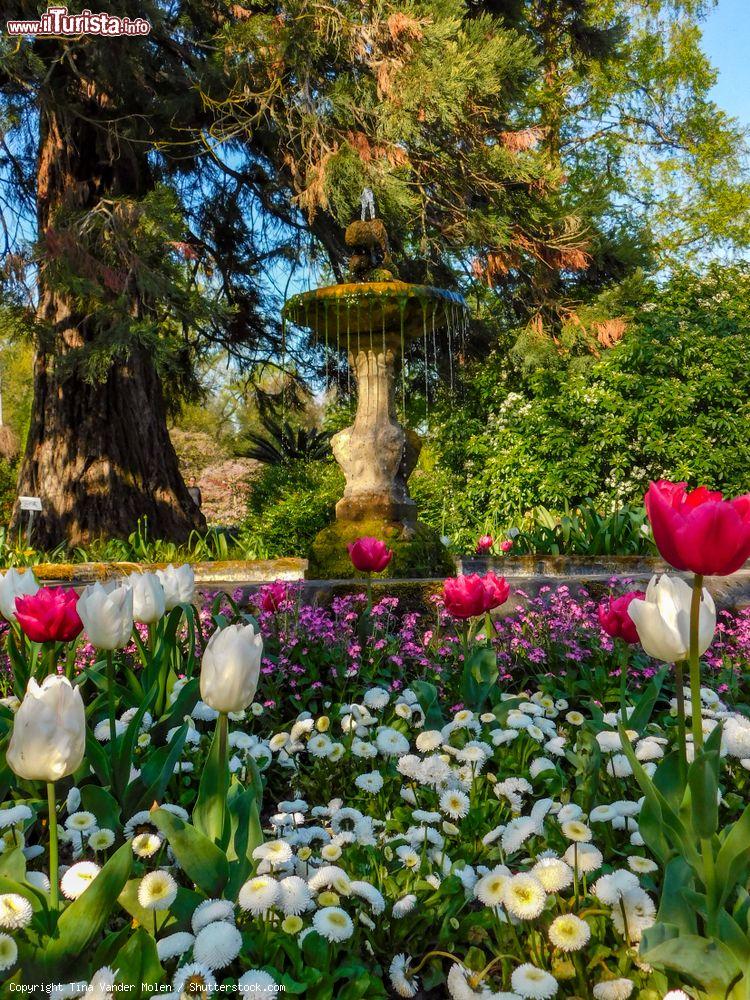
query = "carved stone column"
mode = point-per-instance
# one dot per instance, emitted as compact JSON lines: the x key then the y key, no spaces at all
{"x":376,"y":454}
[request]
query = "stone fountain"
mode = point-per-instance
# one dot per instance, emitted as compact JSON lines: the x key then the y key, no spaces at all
{"x":374,"y":317}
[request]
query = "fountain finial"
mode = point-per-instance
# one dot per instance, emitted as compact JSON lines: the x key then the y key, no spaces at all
{"x":367,"y":201}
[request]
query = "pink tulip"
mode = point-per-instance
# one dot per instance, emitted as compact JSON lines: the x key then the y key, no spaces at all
{"x":507,"y":545}
{"x":614,"y":617}
{"x":464,"y":596}
{"x":496,"y":589}
{"x":484,"y":544}
{"x":369,"y":555}
{"x":699,"y":531}
{"x":272,"y":597}
{"x":50,"y":615}
{"x":472,"y":595}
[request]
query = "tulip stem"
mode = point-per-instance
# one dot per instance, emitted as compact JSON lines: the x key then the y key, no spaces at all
{"x":54,"y":887}
{"x":223,"y":727}
{"x":695,"y":665}
{"x":111,"y":699}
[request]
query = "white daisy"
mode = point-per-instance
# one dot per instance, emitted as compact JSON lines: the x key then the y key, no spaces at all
{"x":259,"y":894}
{"x":455,"y":804}
{"x":524,"y":896}
{"x":257,"y":983}
{"x":8,"y":952}
{"x":611,"y":888}
{"x":194,"y":980}
{"x":404,"y":984}
{"x":490,"y":888}
{"x":157,"y":890}
{"x":554,"y":874}
{"x":333,"y":923}
{"x":404,"y":905}
{"x":569,"y":933}
{"x":532,"y":983}
{"x":78,"y":878}
{"x":217,"y":944}
{"x":174,"y":945}
{"x":210,"y":910}
{"x":15,"y":911}
{"x":391,"y":742}
{"x":294,"y":895}
{"x":101,"y":840}
{"x":371,"y":782}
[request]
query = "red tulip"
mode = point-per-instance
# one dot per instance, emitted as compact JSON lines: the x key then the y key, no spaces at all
{"x":369,"y":555}
{"x":614,"y":617}
{"x":272,"y":597}
{"x":699,"y":531}
{"x":507,"y":545}
{"x":484,"y":544}
{"x":496,"y":589}
{"x":50,"y":615}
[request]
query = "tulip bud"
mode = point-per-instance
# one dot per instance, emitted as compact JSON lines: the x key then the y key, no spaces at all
{"x":178,"y":583}
{"x":663,"y":619}
{"x":230,"y":668}
{"x":49,"y":731}
{"x":12,"y":585}
{"x":369,"y":555}
{"x":107,"y":615}
{"x":148,"y":597}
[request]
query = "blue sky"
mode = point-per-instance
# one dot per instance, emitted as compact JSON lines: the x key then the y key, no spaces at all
{"x":726,"y":40}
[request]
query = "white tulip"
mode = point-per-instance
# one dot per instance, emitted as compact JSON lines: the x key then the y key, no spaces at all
{"x":12,"y":585}
{"x":148,"y":597}
{"x":49,"y":731}
{"x":663,"y":619}
{"x":107,"y":614}
{"x":230,"y":668}
{"x":178,"y":583}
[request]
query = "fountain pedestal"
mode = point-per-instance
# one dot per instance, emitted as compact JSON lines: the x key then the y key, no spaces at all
{"x":373,"y":317}
{"x":376,"y":454}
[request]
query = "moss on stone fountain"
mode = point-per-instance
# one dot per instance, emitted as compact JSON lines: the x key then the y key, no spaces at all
{"x":417,"y":552}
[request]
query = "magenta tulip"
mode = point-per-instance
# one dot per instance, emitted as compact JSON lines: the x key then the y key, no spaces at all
{"x":699,"y":530}
{"x":484,"y":544}
{"x":50,"y":615}
{"x":496,"y":590}
{"x":369,"y":555}
{"x":506,"y":546}
{"x":614,"y":617}
{"x":272,"y":597}
{"x":464,"y":596}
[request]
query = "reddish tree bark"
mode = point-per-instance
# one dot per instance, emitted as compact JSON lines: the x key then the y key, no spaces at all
{"x":98,"y":454}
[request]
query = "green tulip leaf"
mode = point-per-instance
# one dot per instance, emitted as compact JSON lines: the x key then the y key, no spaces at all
{"x":703,"y":778}
{"x":203,"y":862}
{"x":155,"y":774}
{"x":427,"y":696}
{"x":138,"y":966}
{"x":103,"y":805}
{"x":247,"y":833}
{"x":733,"y":857}
{"x":707,"y":961}
{"x":83,"y":920}
{"x":210,"y":815}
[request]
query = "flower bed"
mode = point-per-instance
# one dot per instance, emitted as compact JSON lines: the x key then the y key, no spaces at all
{"x":351,"y":802}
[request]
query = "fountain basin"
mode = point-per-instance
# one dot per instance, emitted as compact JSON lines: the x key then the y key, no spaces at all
{"x":399,"y":310}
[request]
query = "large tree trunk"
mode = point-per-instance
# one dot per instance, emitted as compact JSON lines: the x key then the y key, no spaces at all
{"x":98,"y":454}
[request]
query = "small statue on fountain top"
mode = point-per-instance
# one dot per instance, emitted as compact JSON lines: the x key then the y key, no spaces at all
{"x":367,"y":239}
